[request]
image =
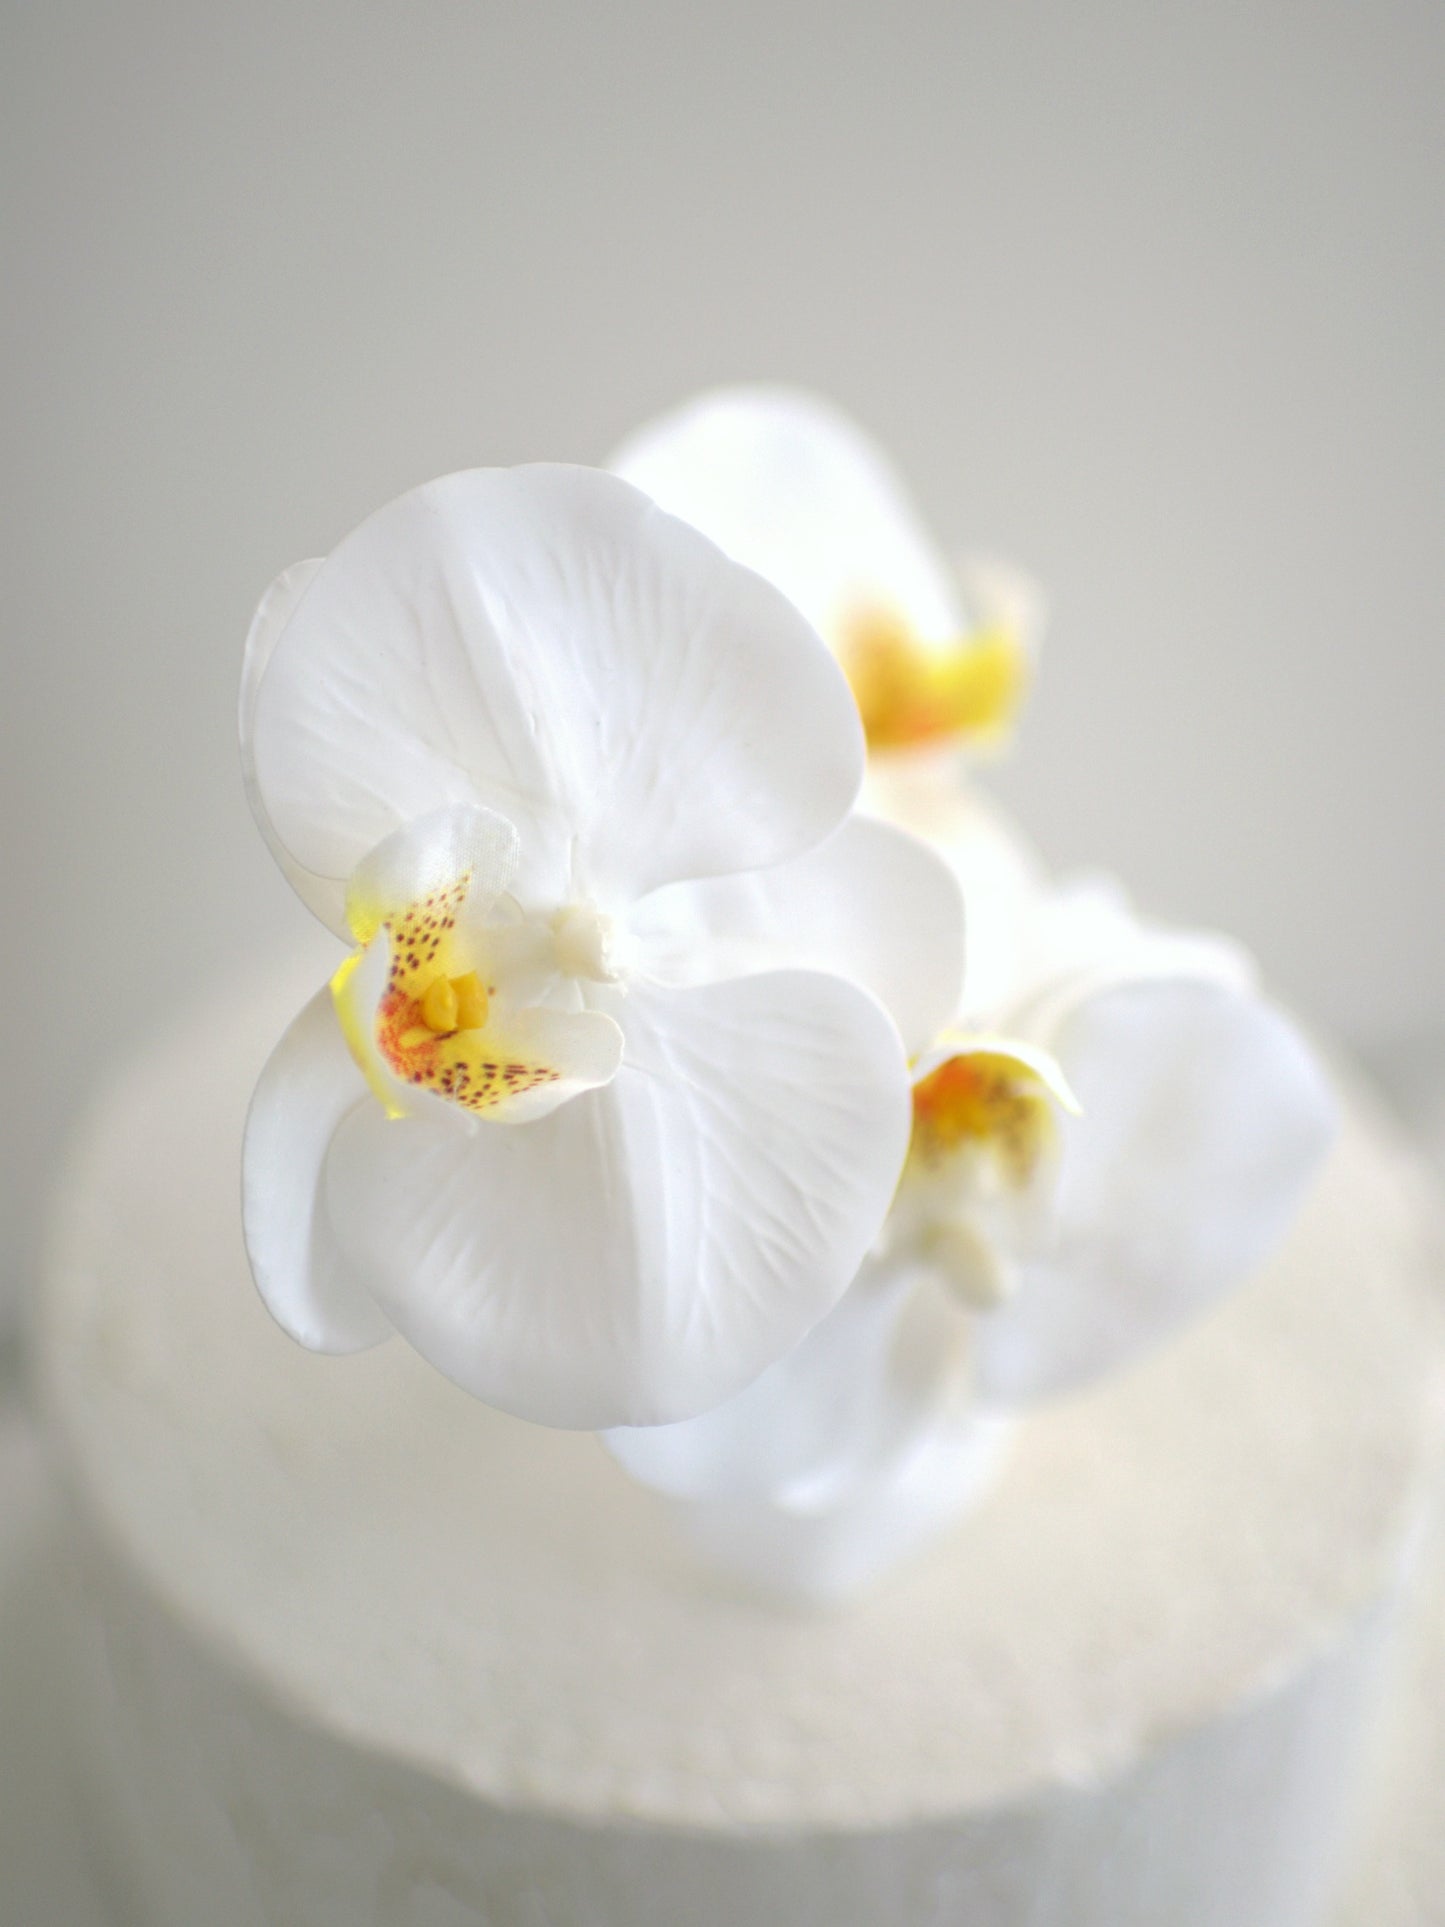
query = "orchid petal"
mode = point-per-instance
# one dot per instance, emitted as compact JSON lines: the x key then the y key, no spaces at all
{"x":790,"y":487}
{"x":430,"y":858}
{"x":872,"y":904}
{"x":1205,"y":1115}
{"x":546,"y":643}
{"x":822,"y":1555}
{"x":308,"y":1086}
{"x":322,"y":895}
{"x":1002,"y":876}
{"x":1085,"y":937}
{"x":644,"y":1252}
{"x":866,"y":1379}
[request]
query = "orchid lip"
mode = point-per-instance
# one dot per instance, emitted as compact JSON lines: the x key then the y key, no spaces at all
{"x":913,"y":695}
{"x":449,"y":995}
{"x":988,"y":1098}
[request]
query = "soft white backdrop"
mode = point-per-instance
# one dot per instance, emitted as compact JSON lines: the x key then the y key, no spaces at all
{"x":1150,"y":298}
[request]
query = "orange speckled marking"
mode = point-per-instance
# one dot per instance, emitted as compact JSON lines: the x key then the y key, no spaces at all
{"x":419,"y":934}
{"x":909,"y":695}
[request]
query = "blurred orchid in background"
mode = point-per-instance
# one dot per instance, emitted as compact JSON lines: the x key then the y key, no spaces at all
{"x":785,"y":483}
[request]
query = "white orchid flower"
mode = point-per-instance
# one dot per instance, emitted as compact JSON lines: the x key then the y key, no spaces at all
{"x":788,"y":485}
{"x":608,"y":1100}
{"x":1125,"y":1144}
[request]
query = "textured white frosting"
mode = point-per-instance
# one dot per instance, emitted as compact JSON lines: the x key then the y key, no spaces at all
{"x":362,"y":1651}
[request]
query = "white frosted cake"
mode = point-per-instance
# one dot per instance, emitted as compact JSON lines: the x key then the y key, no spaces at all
{"x":856,"y":1453}
{"x":360,"y":1650}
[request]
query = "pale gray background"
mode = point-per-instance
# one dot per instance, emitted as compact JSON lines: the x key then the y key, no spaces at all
{"x":1148,"y":297}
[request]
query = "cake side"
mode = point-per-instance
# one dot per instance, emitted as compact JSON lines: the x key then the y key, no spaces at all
{"x":220,"y":1801}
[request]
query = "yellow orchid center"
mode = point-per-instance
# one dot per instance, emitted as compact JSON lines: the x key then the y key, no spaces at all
{"x":454,"y":1003}
{"x":439,"y":1007}
{"x":911,"y":694}
{"x":433,"y":1026}
{"x":983,"y":1101}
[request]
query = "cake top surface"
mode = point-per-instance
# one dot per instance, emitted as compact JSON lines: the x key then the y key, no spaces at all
{"x":498,"y":1603}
